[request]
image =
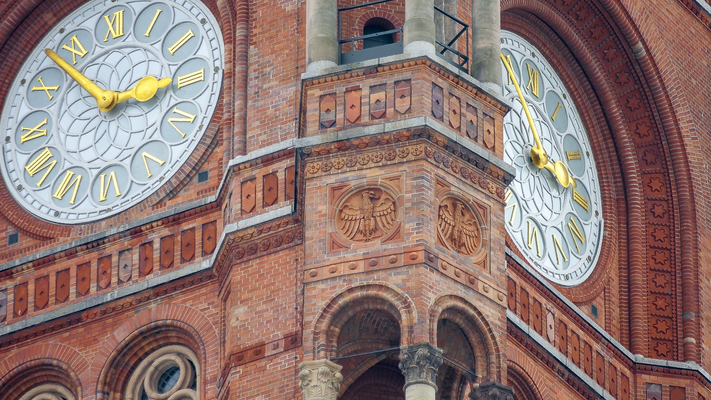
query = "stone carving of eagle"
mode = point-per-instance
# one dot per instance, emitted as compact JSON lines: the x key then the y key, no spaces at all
{"x":368,"y":218}
{"x":460,"y":233}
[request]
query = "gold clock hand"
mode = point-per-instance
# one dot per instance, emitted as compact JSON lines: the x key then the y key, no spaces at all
{"x":144,"y":90}
{"x":561,"y":173}
{"x":105,"y":99}
{"x":538,"y":154}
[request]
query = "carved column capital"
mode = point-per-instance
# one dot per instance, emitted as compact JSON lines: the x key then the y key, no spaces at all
{"x":320,"y":379}
{"x":492,"y":391}
{"x":419,"y":363}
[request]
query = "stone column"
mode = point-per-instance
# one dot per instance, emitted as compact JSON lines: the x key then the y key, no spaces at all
{"x":321,"y":35}
{"x":486,"y":37}
{"x":320,"y":379}
{"x":491,"y":391}
{"x":419,"y":29}
{"x":419,"y":363}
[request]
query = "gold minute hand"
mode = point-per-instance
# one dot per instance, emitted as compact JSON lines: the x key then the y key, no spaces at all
{"x":538,"y":154}
{"x":105,"y":99}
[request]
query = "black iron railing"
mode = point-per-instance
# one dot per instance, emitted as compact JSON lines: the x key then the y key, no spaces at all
{"x":446,"y":49}
{"x":354,"y":50}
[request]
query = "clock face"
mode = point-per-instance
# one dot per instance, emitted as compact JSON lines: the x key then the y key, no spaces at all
{"x":557,"y":228}
{"x":66,"y":160}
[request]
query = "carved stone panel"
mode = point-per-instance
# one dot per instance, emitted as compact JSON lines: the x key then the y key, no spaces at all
{"x":3,"y":305}
{"x":654,"y":391}
{"x":458,"y":227}
{"x":366,"y":214}
{"x":353,"y":106}
{"x":327,"y":108}
{"x":83,"y":279}
{"x":511,"y":290}
{"x":523,"y":306}
{"x":587,"y":358}
{"x":472,"y":123}
{"x":612,"y":379}
{"x":624,"y":388}
{"x":600,"y":369}
{"x":378,"y":100}
{"x":270,"y":189}
{"x":209,"y":238}
{"x":187,"y":245}
{"x":437,"y":102}
{"x":677,"y":393}
{"x":320,"y":380}
{"x":20,"y":300}
{"x":289,"y":183}
{"x":419,"y":363}
{"x":103,"y":272}
{"x":550,"y":327}
{"x":455,"y":110}
{"x":403,"y":96}
{"x":249,"y":196}
{"x":489,"y":132}
{"x":125,"y":266}
{"x":537,"y":317}
{"x":145,"y":259}
{"x":41,"y":292}
{"x":562,"y":338}
{"x":167,"y":252}
{"x":575,"y":348}
{"x":61,"y":290}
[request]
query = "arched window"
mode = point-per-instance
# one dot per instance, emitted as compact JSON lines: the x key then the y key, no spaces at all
{"x":48,"y":391}
{"x":374,"y":26}
{"x":169,"y":372}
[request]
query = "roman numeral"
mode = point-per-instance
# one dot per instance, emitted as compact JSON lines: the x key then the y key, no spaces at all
{"x":115,"y":25}
{"x":74,"y":42}
{"x":513,"y":206}
{"x":187,"y":118}
{"x":189,"y":79}
{"x":581,"y":200}
{"x":153,"y":22}
{"x":106,"y":183}
{"x":558,"y":250}
{"x":146,"y":156}
{"x":66,"y":184}
{"x":532,"y":234}
{"x":573,"y":155}
{"x":508,"y":61}
{"x":177,"y":45}
{"x":41,"y":162}
{"x":31,"y":132}
{"x":555,"y":113}
{"x":532,"y":80}
{"x":45,"y":88}
{"x":576,"y":233}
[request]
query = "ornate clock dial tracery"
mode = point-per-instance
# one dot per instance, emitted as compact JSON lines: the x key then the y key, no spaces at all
{"x":557,"y":228}
{"x":66,"y":160}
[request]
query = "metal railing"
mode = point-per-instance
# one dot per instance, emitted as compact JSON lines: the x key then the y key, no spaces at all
{"x":359,"y":53}
{"x":463,"y":58}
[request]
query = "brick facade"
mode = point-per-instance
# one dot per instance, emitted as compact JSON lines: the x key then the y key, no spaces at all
{"x":318,"y":232}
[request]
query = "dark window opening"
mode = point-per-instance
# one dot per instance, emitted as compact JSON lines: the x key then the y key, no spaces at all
{"x":374,"y":26}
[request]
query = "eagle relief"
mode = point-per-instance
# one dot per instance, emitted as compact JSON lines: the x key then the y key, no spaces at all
{"x":458,"y":227}
{"x":366,"y":215}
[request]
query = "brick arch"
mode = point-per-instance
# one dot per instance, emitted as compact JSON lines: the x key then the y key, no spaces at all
{"x":522,"y":384}
{"x":33,"y":373}
{"x":355,"y":299}
{"x":486,"y":347}
{"x":149,"y":330}
{"x":378,"y":380}
{"x":622,"y":92}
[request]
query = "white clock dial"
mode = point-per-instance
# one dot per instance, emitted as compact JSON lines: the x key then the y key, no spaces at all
{"x":66,"y":160}
{"x":558,"y":229}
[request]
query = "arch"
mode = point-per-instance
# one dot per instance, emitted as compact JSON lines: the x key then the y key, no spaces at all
{"x":522,"y":384}
{"x":40,"y":373}
{"x":355,"y":299}
{"x":627,"y":100}
{"x":151,"y":329}
{"x":377,"y":25}
{"x":477,"y":329}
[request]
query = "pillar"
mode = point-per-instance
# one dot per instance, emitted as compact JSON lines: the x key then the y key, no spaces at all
{"x":486,"y":37}
{"x":320,"y":379}
{"x":321,"y":35}
{"x":419,"y":363}
{"x":491,"y":391}
{"x":419,"y":29}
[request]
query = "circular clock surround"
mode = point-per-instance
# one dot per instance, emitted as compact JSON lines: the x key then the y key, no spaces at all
{"x":64,"y":160}
{"x":557,"y":229}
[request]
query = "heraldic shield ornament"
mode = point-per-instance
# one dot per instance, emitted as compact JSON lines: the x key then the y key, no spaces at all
{"x":457,"y":226}
{"x":366,"y":214}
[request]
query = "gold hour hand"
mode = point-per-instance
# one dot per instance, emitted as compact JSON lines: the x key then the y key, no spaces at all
{"x":105,"y":99}
{"x":144,"y":90}
{"x":538,"y":154}
{"x":561,"y":173}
